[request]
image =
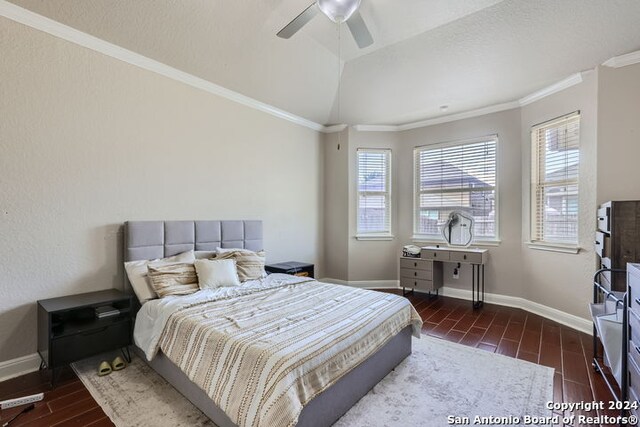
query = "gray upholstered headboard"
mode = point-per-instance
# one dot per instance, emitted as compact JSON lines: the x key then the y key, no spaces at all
{"x":159,"y":239}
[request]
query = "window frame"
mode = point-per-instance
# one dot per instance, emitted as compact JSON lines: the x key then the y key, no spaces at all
{"x":438,"y":239}
{"x":534,"y":182}
{"x":375,"y":235}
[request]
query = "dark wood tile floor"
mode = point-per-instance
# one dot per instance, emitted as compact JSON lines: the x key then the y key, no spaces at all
{"x":69,"y":404}
{"x":523,"y":335}
{"x":509,"y":331}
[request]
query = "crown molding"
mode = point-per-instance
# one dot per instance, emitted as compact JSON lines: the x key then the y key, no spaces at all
{"x":334,"y":128}
{"x":572,"y":80}
{"x":376,"y":128}
{"x":460,"y":116}
{"x":56,"y":29}
{"x":623,"y":60}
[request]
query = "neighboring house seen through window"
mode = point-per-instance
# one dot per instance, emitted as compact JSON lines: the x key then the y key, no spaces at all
{"x":554,"y":181}
{"x":374,"y":193}
{"x":456,"y":176}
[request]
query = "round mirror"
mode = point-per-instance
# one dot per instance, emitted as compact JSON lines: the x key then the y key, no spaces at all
{"x":458,"y":230}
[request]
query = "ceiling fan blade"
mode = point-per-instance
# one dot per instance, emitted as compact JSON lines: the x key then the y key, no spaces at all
{"x":359,"y":30}
{"x":299,"y":21}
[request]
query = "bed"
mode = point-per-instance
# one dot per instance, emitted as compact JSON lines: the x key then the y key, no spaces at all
{"x":339,"y":386}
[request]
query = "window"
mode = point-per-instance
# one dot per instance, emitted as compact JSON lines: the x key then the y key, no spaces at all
{"x":554,"y":181}
{"x":456,"y":176}
{"x":374,"y":193}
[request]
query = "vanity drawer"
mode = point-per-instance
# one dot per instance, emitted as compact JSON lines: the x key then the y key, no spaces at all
{"x":424,"y":285}
{"x":470,"y":257}
{"x":604,"y":219}
{"x":434,"y":254}
{"x":416,"y":274}
{"x":602,"y":245}
{"x":417,"y":264}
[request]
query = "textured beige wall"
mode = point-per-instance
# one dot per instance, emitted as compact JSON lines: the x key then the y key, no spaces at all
{"x":619,"y":133}
{"x":503,"y":271}
{"x":230,"y":43}
{"x":336,"y":205}
{"x":559,"y":280}
{"x":372,"y":259}
{"x":346,"y":257}
{"x":87,"y":142}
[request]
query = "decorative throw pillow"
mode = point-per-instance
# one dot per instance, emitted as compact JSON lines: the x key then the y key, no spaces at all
{"x":173,"y":279}
{"x":250,"y":264}
{"x":137,"y":273}
{"x":214,"y":273}
{"x":205,"y":254}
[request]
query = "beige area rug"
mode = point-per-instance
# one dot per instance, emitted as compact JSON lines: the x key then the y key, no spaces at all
{"x":439,"y":379}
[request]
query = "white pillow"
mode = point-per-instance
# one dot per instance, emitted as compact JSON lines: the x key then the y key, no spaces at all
{"x":216,"y":273}
{"x":226,"y":250}
{"x":137,"y":273}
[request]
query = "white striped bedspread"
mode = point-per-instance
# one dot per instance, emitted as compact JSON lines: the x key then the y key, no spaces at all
{"x":262,"y":350}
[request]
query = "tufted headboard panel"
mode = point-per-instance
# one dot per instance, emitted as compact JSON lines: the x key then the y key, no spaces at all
{"x":159,"y":239}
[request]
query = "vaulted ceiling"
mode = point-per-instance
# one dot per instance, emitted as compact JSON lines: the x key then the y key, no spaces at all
{"x":427,"y":53}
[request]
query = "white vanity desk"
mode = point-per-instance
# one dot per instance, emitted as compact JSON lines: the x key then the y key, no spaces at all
{"x":425,"y":273}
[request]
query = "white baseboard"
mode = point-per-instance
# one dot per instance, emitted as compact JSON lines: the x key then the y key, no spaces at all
{"x":364,"y":284}
{"x":575,"y":322}
{"x":19,"y":366}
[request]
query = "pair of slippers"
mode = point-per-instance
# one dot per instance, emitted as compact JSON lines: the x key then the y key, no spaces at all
{"x":105,"y":368}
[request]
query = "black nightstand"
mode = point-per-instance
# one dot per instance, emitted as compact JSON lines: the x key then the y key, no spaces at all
{"x":291,"y":267}
{"x":69,"y":330}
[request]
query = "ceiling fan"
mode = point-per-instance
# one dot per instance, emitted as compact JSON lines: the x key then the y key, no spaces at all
{"x":338,"y":11}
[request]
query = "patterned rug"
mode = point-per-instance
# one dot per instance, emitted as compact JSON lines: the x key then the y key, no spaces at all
{"x":438,"y":380}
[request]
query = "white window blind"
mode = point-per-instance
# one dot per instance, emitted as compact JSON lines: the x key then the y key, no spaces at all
{"x":374,"y":192}
{"x":554,"y":180}
{"x":456,"y":176}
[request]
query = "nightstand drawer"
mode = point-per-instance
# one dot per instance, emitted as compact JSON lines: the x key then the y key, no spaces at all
{"x":417,"y":264}
{"x":78,"y":346}
{"x":416,"y":274}
{"x":294,"y":268}
{"x":425,"y":285}
{"x":435,"y":255}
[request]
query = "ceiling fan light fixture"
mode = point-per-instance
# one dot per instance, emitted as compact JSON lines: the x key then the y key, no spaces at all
{"x":338,"y":10}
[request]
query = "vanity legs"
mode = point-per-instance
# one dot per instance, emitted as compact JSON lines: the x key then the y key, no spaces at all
{"x":477,"y":285}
